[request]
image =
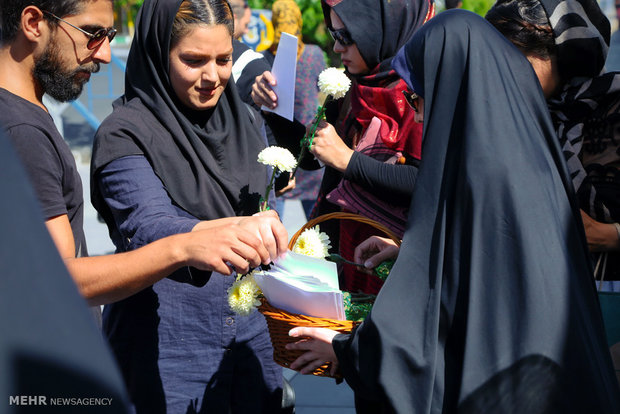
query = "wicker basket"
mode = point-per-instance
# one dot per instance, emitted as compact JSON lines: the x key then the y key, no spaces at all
{"x":281,"y":322}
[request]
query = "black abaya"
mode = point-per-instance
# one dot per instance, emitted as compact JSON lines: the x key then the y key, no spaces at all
{"x":490,"y":306}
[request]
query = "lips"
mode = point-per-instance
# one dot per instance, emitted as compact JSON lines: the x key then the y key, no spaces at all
{"x":207,"y":91}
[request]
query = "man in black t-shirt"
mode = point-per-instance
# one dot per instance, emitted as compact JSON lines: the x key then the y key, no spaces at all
{"x":52,"y":46}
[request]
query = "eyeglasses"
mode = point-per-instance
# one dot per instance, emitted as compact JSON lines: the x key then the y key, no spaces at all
{"x":412,"y":99}
{"x":95,"y":39}
{"x":341,"y":36}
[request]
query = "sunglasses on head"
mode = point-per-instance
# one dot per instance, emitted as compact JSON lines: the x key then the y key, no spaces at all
{"x":412,"y":99}
{"x":94,"y":39}
{"x":341,"y":36}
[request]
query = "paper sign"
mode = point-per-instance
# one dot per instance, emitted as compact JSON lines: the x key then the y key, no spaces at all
{"x":284,"y":69}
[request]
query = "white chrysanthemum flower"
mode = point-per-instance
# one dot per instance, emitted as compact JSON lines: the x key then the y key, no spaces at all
{"x":277,"y":157}
{"x":334,"y":82}
{"x":243,"y":295}
{"x":312,"y":242}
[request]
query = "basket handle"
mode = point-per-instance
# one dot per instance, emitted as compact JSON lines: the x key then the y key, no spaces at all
{"x":344,"y":216}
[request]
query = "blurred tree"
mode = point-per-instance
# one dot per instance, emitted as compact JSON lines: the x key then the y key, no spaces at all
{"x":478,"y":6}
{"x":128,"y":10}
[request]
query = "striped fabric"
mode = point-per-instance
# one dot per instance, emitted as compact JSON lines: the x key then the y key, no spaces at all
{"x":582,"y":113}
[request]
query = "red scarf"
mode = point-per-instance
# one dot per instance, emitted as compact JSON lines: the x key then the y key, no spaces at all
{"x":380,"y":94}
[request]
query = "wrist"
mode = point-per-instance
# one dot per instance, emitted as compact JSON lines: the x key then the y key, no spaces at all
{"x":176,"y":247}
{"x":344,"y":160}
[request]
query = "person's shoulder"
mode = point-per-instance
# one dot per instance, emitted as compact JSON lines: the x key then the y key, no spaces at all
{"x":239,"y":48}
{"x":314,"y":50}
{"x":16,"y":113}
{"x":314,"y":54}
{"x":132,"y":114}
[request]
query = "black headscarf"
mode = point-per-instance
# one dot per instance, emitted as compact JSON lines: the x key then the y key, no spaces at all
{"x":393,"y":22}
{"x":207,"y":160}
{"x":490,"y":306}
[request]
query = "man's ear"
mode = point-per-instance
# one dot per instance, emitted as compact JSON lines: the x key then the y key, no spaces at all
{"x":33,"y":23}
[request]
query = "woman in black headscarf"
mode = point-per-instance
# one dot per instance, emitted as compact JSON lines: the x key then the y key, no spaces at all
{"x":490,"y":306}
{"x":568,"y":40}
{"x":179,"y":153}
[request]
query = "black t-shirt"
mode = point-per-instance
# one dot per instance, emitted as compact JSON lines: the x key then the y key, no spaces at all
{"x":48,"y":161}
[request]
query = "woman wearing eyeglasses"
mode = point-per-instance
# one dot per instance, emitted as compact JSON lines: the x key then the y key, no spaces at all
{"x":490,"y":306}
{"x":179,"y":153}
{"x":370,"y":143}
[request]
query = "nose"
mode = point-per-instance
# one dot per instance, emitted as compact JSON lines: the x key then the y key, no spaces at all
{"x":103,"y":52}
{"x":209,"y":72}
{"x":338,"y":48}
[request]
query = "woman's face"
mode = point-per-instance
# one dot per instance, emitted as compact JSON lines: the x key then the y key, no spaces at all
{"x":350,"y":55}
{"x":547,"y":73}
{"x":200,"y":66}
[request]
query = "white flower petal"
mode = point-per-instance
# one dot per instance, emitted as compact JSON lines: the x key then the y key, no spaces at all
{"x":277,"y":157}
{"x":311,"y":242}
{"x":334,"y":82}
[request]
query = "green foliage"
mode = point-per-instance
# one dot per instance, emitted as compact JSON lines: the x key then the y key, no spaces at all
{"x":133,"y":5}
{"x":478,"y":6}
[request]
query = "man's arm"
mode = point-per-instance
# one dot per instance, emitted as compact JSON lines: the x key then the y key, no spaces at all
{"x":105,"y":279}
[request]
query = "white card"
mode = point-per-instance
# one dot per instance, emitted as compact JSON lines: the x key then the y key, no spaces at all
{"x":284,"y":69}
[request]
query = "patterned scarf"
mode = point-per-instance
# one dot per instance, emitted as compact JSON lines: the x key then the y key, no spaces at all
{"x":582,"y":112}
{"x":286,"y":17}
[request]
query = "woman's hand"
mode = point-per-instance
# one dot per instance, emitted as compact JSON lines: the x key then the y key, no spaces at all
{"x":318,"y":344}
{"x":375,"y":250}
{"x":262,"y":92}
{"x":329,"y":148}
{"x":601,"y":236}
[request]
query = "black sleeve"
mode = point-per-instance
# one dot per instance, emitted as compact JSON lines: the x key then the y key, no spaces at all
{"x":393,"y":181}
{"x":43,"y":165}
{"x":248,"y":76}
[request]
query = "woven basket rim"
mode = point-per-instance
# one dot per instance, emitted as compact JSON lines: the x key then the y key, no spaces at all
{"x":340,"y":215}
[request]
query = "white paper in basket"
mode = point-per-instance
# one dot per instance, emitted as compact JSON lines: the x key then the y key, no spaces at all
{"x":304,"y":285}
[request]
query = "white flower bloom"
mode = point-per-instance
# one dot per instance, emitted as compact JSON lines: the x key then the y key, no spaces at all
{"x":243,"y":295}
{"x":312,"y":242}
{"x":334,"y":82}
{"x":278,"y":157}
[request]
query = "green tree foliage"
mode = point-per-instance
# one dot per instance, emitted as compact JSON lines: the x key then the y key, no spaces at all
{"x":478,"y":6}
{"x":126,"y":11}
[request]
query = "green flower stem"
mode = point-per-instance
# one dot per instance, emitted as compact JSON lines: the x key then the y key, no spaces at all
{"x":336,"y":258}
{"x":264,"y":201}
{"x":306,"y":141}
